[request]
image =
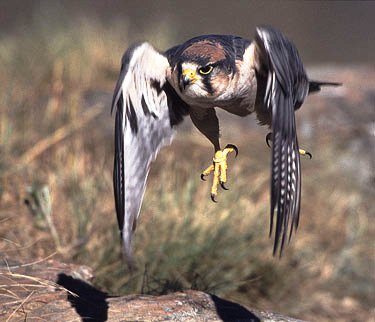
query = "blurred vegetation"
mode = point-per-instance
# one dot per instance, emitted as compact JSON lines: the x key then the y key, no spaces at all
{"x":56,"y":196}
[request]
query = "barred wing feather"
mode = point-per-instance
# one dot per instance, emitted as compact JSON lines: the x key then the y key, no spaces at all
{"x":287,"y":87}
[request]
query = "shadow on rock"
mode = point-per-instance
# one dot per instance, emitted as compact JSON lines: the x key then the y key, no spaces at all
{"x":90,"y":303}
{"x":230,"y":311}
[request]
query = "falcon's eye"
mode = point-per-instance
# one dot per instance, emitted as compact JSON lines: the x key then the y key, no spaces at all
{"x":205,"y":70}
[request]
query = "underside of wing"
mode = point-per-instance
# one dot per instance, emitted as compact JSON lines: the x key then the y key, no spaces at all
{"x":287,"y":87}
{"x":147,"y":108}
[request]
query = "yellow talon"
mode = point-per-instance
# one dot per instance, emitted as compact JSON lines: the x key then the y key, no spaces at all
{"x":215,"y":182}
{"x":207,"y":172}
{"x":219,"y":167}
{"x":304,"y":152}
{"x":301,"y":151}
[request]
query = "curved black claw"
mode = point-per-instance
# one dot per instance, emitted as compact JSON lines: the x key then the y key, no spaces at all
{"x":233,"y":147}
{"x":309,"y":154}
{"x":268,"y":139}
{"x":222,"y":184}
{"x":202,"y":177}
{"x":213,"y":197}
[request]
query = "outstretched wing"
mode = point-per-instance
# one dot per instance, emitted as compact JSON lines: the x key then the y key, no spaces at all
{"x":287,"y":87}
{"x":147,"y":108}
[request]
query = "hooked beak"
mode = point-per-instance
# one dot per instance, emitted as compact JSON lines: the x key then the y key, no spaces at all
{"x":189,"y":76}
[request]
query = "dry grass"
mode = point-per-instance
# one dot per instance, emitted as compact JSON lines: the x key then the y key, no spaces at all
{"x":183,"y":240}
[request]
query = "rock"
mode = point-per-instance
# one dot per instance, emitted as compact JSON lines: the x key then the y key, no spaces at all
{"x":54,"y":291}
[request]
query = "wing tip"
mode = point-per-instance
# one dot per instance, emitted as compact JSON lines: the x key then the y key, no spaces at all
{"x":281,"y":234}
{"x":127,"y":252}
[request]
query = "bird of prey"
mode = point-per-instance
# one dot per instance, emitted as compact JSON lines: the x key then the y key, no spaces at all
{"x":155,"y":90}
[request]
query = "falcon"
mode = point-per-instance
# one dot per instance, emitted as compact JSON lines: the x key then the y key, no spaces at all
{"x":156,"y":90}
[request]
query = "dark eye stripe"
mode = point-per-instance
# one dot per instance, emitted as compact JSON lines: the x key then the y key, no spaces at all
{"x":207,"y":84}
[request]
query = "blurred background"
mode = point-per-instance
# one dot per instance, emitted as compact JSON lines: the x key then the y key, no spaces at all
{"x":59,"y":63}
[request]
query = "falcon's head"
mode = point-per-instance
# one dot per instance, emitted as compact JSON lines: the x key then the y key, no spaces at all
{"x":203,"y":69}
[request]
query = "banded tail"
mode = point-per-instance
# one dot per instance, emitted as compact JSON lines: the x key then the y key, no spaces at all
{"x":314,"y":86}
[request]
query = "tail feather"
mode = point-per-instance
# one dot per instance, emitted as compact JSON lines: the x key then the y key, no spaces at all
{"x":314,"y":86}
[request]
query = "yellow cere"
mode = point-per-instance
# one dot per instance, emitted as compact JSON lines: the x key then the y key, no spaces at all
{"x":189,"y":73}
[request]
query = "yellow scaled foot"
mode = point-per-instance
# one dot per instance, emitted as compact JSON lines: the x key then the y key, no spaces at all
{"x":219,"y":168}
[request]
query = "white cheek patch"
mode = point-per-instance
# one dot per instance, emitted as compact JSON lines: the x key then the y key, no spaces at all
{"x":195,"y":90}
